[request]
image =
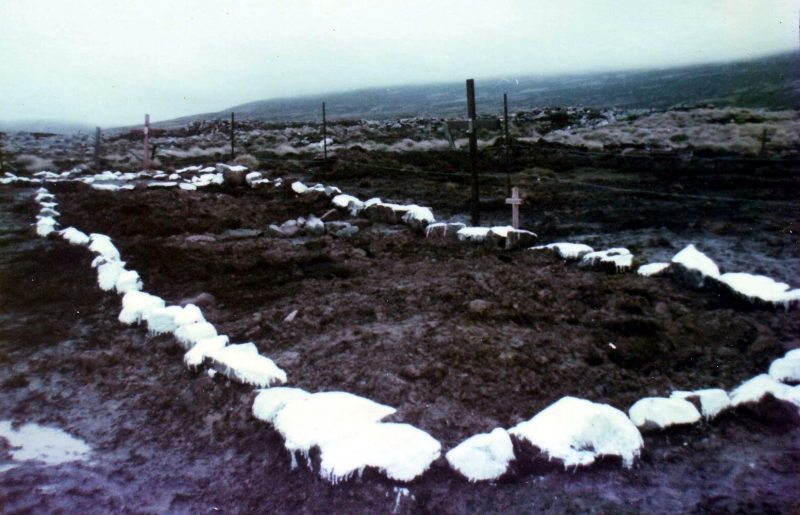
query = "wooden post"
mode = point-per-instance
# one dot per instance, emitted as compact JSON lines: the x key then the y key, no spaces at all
{"x":324,"y":134}
{"x":505,"y":139}
{"x":515,"y":202}
{"x":473,"y":152}
{"x":97,"y":148}
{"x":232,"y":124}
{"x":146,"y":160}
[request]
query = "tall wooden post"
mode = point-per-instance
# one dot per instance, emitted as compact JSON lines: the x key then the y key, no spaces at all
{"x":505,"y":139}
{"x":232,"y":125}
{"x":324,"y":134}
{"x":97,"y":148}
{"x":473,"y":152}
{"x":146,"y":160}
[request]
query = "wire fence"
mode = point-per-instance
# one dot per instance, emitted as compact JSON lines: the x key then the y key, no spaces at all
{"x":504,"y":177}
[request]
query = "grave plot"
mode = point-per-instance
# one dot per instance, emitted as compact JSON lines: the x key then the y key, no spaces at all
{"x":460,"y":339}
{"x":220,"y":244}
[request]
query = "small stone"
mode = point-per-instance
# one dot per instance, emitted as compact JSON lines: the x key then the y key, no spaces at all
{"x":520,"y":239}
{"x":479,"y":306}
{"x":239,"y":234}
{"x":315,"y":226}
{"x":347,"y":232}
{"x":200,"y":238}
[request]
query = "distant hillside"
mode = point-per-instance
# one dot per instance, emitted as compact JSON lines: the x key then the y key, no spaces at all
{"x":52,"y":126}
{"x":771,"y":82}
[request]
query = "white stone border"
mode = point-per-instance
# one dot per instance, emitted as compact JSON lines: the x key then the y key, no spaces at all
{"x":482,"y":456}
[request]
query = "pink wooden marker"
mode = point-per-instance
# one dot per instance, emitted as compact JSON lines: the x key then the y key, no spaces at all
{"x":146,"y":159}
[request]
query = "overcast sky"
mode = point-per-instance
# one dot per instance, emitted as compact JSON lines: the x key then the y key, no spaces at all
{"x":106,"y":62}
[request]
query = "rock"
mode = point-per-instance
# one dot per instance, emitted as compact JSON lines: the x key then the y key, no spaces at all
{"x":202,"y":300}
{"x":385,"y":213}
{"x":239,"y":234}
{"x":520,"y":239}
{"x":662,"y":412}
{"x":314,"y":226}
{"x":494,"y":240}
{"x":288,"y":359}
{"x":235,"y":176}
{"x":200,"y":238}
{"x":443,"y":231}
{"x":333,"y":227}
{"x":348,"y":232}
{"x":479,"y":306}
{"x":274,"y":230}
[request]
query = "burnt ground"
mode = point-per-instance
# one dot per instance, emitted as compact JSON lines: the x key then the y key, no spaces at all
{"x":384,"y":315}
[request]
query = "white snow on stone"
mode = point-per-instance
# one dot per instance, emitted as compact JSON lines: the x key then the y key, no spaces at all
{"x":74,"y":236}
{"x":49,"y":205}
{"x":371,"y":202}
{"x":419,"y":214}
{"x":162,"y":184}
{"x":758,"y":287}
{"x":793,"y":354}
{"x":651,"y":269}
{"x":32,"y":442}
{"x":242,"y":363}
{"x":189,"y":315}
{"x":472,"y":233}
{"x":693,"y":259}
{"x":787,"y":368}
{"x":108,"y":273}
{"x":501,"y":230}
{"x":578,"y":431}
{"x":195,"y":356}
{"x":270,"y":401}
{"x":484,"y":456}
{"x":753,"y":390}
{"x":325,"y":416}
{"x":713,"y":401}
{"x":299,"y":188}
{"x":111,"y":187}
{"x":353,"y":204}
{"x":195,"y":168}
{"x":162,"y":320}
{"x":128,"y":280}
{"x":400,"y":451}
{"x":44,"y":196}
{"x":136,"y":305}
{"x":662,"y":412}
{"x":101,"y":244}
{"x":253,"y":177}
{"x":567,"y":250}
{"x":207,"y":179}
{"x":620,"y":257}
{"x":45,"y":226}
{"x":187,"y":186}
{"x":191,"y":334}
{"x":48,"y":211}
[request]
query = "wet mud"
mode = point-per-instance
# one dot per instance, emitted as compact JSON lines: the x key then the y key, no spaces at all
{"x":387,"y":315}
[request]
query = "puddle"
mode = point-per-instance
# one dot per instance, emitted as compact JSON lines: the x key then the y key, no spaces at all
{"x":32,"y":442}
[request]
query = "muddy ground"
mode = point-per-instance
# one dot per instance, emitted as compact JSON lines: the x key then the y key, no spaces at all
{"x":386,"y":315}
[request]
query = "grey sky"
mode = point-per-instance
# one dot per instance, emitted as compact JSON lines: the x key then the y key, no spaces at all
{"x":107,"y":62}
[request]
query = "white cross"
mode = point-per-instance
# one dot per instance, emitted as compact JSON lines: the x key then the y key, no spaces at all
{"x":515,"y":201}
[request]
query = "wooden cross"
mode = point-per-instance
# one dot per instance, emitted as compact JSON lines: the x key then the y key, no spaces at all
{"x":515,"y":202}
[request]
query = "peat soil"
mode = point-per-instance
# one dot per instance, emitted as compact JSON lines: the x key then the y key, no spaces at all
{"x":387,"y":315}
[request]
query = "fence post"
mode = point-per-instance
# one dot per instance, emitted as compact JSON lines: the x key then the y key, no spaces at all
{"x":232,"y":129}
{"x":473,"y":152}
{"x":97,"y":148}
{"x":146,"y":160}
{"x":324,"y":135}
